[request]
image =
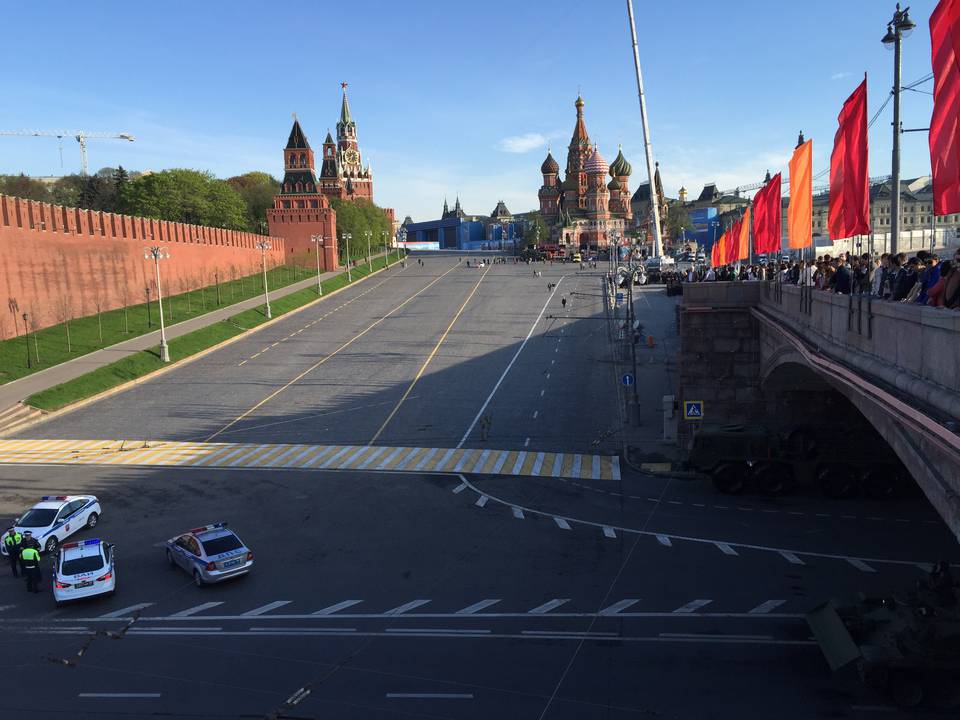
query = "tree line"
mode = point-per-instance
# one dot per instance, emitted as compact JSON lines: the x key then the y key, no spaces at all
{"x":188,"y":196}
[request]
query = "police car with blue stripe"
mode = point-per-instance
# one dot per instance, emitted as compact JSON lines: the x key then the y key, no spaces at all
{"x":57,"y":517}
{"x":84,"y":569}
{"x":210,"y":554}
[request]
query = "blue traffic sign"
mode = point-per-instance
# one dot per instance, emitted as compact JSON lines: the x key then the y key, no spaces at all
{"x":693,"y":409}
{"x":619,"y":297}
{"x":628,"y":379}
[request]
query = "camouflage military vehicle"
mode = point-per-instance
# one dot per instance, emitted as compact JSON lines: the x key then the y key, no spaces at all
{"x":905,"y":647}
{"x":741,"y":458}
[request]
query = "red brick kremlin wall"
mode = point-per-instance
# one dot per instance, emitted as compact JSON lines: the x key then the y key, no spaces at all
{"x":49,"y":253}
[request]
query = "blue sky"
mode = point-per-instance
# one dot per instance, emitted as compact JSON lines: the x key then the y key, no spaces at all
{"x":454,"y":97}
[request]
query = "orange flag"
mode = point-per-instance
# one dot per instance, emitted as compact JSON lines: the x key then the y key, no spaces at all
{"x":800,"y":211}
{"x":743,"y":251}
{"x":716,"y":252}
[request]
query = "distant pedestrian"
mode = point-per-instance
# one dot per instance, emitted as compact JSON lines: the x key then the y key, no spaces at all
{"x":563,"y":301}
{"x":485,"y":423}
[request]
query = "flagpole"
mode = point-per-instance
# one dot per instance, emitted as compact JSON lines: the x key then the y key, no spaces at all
{"x":657,"y":247}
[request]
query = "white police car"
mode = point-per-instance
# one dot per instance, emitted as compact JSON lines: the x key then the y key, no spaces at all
{"x":84,"y":569}
{"x":57,"y":517}
{"x":210,"y":554}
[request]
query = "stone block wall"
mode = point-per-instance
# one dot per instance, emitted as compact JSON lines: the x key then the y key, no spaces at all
{"x":56,"y":260}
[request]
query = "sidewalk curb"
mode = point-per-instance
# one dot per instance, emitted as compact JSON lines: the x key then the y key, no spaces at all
{"x":53,"y":414}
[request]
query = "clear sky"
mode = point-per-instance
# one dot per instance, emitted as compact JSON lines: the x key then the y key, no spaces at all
{"x":454,"y":97}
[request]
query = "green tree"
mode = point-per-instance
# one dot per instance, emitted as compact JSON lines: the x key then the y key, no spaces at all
{"x":24,"y":187}
{"x":535,"y":228}
{"x":257,"y":190}
{"x":677,"y":218}
{"x":120,"y":178}
{"x":67,"y":190}
{"x":357,"y":217}
{"x":187,"y":196}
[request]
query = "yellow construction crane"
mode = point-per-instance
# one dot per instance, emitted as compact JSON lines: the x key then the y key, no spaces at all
{"x":80,"y":136}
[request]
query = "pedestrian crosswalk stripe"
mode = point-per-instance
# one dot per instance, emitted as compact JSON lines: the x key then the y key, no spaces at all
{"x":166,"y":453}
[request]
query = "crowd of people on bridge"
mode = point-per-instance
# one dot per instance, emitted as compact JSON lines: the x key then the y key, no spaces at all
{"x":923,"y":279}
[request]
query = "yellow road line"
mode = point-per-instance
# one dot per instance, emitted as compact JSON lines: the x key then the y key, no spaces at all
{"x":320,"y":362}
{"x":426,"y":362}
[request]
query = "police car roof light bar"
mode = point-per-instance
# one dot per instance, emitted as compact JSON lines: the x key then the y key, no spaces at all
{"x":53,"y":497}
{"x":205,"y":528}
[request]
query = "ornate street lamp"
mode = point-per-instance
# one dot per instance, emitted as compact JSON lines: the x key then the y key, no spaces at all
{"x":157,"y":253}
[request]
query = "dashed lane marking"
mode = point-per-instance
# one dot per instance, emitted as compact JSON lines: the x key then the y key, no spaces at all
{"x":263,"y":609}
{"x":664,"y":540}
{"x":692,"y":606}
{"x":548,"y":606}
{"x":481,"y":501}
{"x":726,"y":549}
{"x":124,"y":612}
{"x":561,"y":523}
{"x":459,"y":488}
{"x":609,"y":531}
{"x":517,"y":513}
{"x":337,"y":607}
{"x":618,"y":607}
{"x":860,"y":565}
{"x":196,"y":609}
{"x":406,"y":607}
{"x":477,"y":607}
{"x":765,"y":607}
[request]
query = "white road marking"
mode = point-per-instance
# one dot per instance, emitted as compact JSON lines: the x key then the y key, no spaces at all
{"x":548,"y":376}
{"x":557,"y":464}
{"x":664,"y":540}
{"x":521,"y":456}
{"x":118,"y":695}
{"x":407,"y":458}
{"x":692,"y":606}
{"x":577,"y":462}
{"x":615,"y":467}
{"x":464,"y":459}
{"x":265,"y":608}
{"x":552,"y":362}
{"x":609,"y":532}
{"x":316,"y":458}
{"x":526,"y":443}
{"x":330,"y":610}
{"x":790,"y":557}
{"x":446,"y":456}
{"x":481,"y":501}
{"x":123,"y":612}
{"x":442,"y":631}
{"x":481,"y":461}
{"x":716,"y":636}
{"x":595,"y":468}
{"x":535,"y":413}
{"x":477,"y":606}
{"x":500,"y":461}
{"x":765,"y":607}
{"x":726,"y":549}
{"x":619,"y":606}
{"x":406,"y":607}
{"x":371,"y":457}
{"x":280,"y":458}
{"x":548,"y":606}
{"x":561,"y":523}
{"x":362,"y":449}
{"x":196,"y":608}
{"x":337,"y":455}
{"x":506,"y":370}
{"x":431,"y":696}
{"x":459,"y":488}
{"x":860,"y":565}
{"x":517,"y":513}
{"x":537,"y":463}
{"x":386,"y":461}
{"x":426,"y":458}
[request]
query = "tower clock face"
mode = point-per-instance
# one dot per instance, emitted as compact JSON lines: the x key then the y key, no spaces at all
{"x":351,"y":156}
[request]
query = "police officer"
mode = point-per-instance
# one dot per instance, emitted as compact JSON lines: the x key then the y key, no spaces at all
{"x":30,"y":562}
{"x":12,"y":543}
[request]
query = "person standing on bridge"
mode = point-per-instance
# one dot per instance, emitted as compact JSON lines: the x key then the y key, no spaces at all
{"x":563,"y":302}
{"x":30,"y":562}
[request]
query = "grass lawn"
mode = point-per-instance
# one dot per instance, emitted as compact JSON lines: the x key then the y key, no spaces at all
{"x":147,"y":361}
{"x":48,"y":347}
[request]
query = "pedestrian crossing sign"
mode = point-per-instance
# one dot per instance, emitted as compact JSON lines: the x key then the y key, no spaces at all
{"x":693,"y":409}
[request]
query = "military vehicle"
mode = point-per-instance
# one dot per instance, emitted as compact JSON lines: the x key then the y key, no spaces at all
{"x":741,"y":458}
{"x":905,"y":647}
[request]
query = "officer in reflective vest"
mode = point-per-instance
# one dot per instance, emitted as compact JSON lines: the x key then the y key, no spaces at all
{"x":30,"y":562}
{"x":12,"y":543}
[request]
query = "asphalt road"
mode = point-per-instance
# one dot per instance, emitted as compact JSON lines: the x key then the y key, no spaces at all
{"x":406,"y":595}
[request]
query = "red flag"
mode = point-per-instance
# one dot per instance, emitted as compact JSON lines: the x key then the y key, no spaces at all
{"x":767,"y":218}
{"x":849,"y":177}
{"x":715,"y":253}
{"x":733,"y":235}
{"x":945,"y":123}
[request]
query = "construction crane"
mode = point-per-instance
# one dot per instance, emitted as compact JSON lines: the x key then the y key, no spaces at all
{"x":80,"y":136}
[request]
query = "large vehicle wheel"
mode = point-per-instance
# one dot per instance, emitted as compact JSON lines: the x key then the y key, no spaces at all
{"x":838,"y":481}
{"x":881,"y":483}
{"x":51,"y":546}
{"x":730,"y":478}
{"x":772,"y":478}
{"x":802,"y":442}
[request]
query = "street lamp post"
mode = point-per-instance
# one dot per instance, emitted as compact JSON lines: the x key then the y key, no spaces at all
{"x":265,"y":245}
{"x":157,"y":253}
{"x":898,"y":28}
{"x":369,"y":234}
{"x":318,"y":241}
{"x":26,"y":335}
{"x":346,"y":239}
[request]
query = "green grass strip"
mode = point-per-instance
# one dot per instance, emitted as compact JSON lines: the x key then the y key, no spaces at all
{"x":148,"y":361}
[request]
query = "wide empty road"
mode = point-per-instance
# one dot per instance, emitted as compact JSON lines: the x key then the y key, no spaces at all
{"x":425,"y":466}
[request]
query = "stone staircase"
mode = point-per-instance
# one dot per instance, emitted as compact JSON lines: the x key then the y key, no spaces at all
{"x":16,"y":417}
